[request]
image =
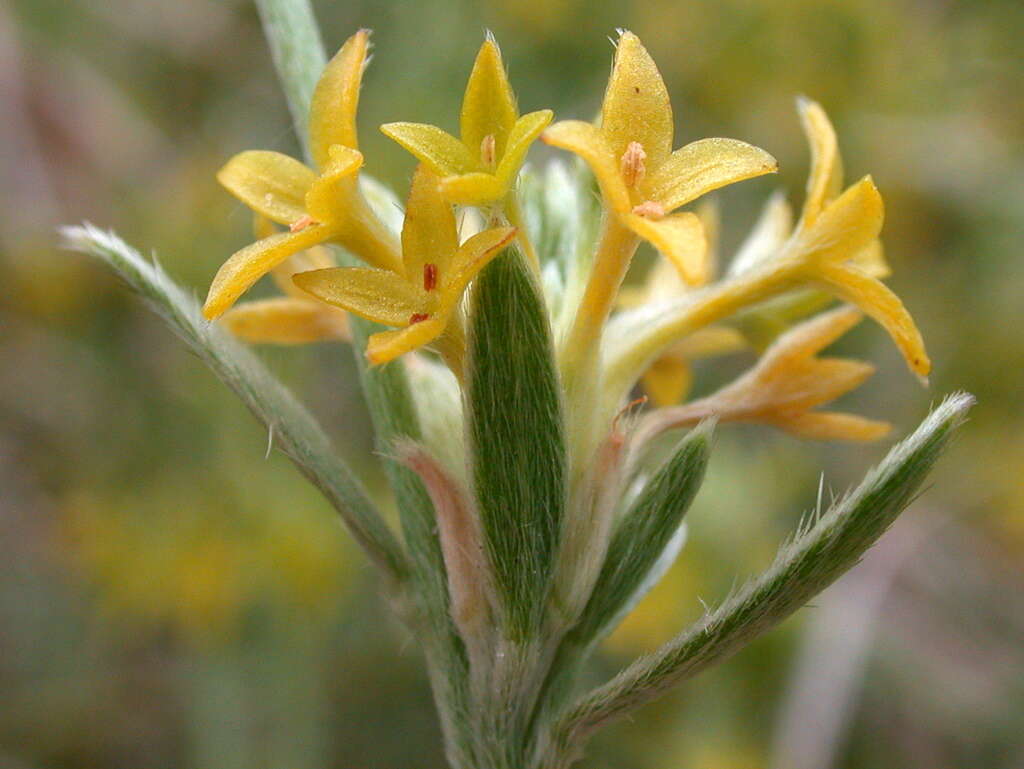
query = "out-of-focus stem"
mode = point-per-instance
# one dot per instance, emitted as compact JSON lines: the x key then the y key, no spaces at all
{"x":298,"y":52}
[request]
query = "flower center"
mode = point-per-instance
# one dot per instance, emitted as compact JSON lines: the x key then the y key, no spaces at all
{"x":489,"y":151}
{"x":632,"y":164}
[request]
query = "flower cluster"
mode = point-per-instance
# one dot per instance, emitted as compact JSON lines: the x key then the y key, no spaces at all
{"x":415,"y":281}
{"x":504,"y":346}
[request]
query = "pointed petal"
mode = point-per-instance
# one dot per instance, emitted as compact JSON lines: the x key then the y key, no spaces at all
{"x":703,"y":166}
{"x":636,"y":105}
{"x":586,"y":140}
{"x":286,"y":320}
{"x":766,"y":239}
{"x":377,"y":295}
{"x":523,"y":134}
{"x":872,"y":260}
{"x":875,"y":299}
{"x":270,"y":183}
{"x":710,"y":341}
{"x":326,"y":201}
{"x":667,"y":380}
{"x":445,"y":154}
{"x":332,"y":112}
{"x":315,"y":258}
{"x":814,"y":335}
{"x":488,"y":106}
{"x":388,"y":345}
{"x":473,"y":256}
{"x":802,"y":385}
{"x":826,"y":177}
{"x":680,"y":237}
{"x":429,"y":234}
{"x":834,"y":426}
{"x":248,"y":265}
{"x":473,"y":189}
{"x":847,"y":225}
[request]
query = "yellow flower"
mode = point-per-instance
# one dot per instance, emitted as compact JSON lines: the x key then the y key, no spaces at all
{"x":669,"y":377}
{"x":836,"y":240}
{"x":785,"y":385}
{"x":481,"y":167}
{"x":317,"y":206}
{"x":421,"y":298}
{"x":642,"y":180}
{"x":293,"y":318}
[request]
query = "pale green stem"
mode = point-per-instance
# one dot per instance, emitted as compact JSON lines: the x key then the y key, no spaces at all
{"x":294,"y":39}
{"x":298,"y":52}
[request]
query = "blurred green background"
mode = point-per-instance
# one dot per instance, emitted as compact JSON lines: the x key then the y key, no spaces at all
{"x":170,"y":598}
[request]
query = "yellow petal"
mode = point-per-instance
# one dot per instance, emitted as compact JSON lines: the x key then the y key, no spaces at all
{"x":812,"y":336}
{"x":285,"y":320}
{"x":875,"y":299}
{"x":445,"y":154}
{"x":826,"y":177}
{"x":473,"y":189}
{"x":799,"y":386}
{"x":834,"y":426}
{"x":388,"y":345}
{"x":270,"y":183}
{"x":523,"y":134}
{"x":245,"y":267}
{"x":429,"y":235}
{"x":872,"y":260}
{"x":766,"y":239}
{"x":262,"y":227}
{"x":668,"y":380}
{"x":847,"y":225}
{"x":703,"y":166}
{"x":315,"y":258}
{"x":377,"y":295}
{"x":636,"y":105}
{"x":488,"y":106}
{"x":332,"y":113}
{"x":587,"y":141}
{"x":473,"y":256}
{"x":326,"y":201}
{"x":711,"y":218}
{"x":710,"y":341}
{"x":680,"y":237}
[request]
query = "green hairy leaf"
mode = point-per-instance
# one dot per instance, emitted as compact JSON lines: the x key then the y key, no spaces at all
{"x":292,"y":428}
{"x":515,"y":435}
{"x":823,"y":549}
{"x":644,"y":532}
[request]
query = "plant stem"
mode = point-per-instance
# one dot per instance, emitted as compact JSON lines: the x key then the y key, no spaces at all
{"x":298,"y":52}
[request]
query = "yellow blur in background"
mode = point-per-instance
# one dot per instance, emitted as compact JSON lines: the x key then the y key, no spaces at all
{"x":170,"y":599}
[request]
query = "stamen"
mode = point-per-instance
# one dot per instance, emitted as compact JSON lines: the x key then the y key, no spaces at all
{"x":650,"y":209}
{"x":488,"y":151}
{"x":429,"y":277}
{"x":632,"y":165}
{"x":302,"y":223}
{"x":418,"y":317}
